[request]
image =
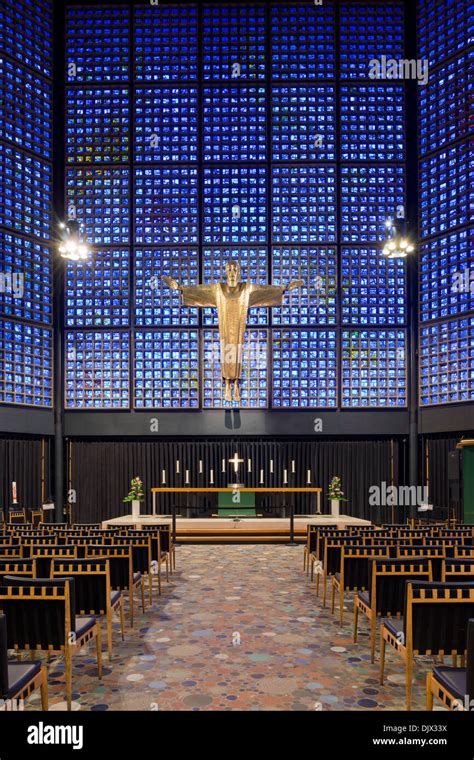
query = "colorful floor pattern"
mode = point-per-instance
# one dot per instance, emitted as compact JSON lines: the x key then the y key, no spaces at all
{"x":237,"y":628}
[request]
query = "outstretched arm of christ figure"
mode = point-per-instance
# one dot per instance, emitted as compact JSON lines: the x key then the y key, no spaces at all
{"x":271,"y":295}
{"x":193,"y":295}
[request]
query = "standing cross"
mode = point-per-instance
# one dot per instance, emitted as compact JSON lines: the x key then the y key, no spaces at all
{"x":235,"y":461}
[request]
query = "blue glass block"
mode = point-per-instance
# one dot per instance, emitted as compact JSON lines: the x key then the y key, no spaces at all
{"x":97,"y":125}
{"x":372,"y":122}
{"x":26,"y":109}
{"x":445,"y":108}
{"x":446,"y":182}
{"x":369,"y":195}
{"x":234,"y":123}
{"x":374,"y":368}
{"x":25,"y":279}
{"x":97,"y":291}
{"x":304,"y":204}
{"x":233,"y":36}
{"x":447,"y":276}
{"x":304,"y":369}
{"x":26,"y":193}
{"x":303,"y":40}
{"x":303,"y":123}
{"x":97,"y":370}
{"x":166,"y":369}
{"x":166,"y":43}
{"x":166,"y":124}
{"x":26,"y":33}
{"x":444,"y":28}
{"x":253,"y":263}
{"x":166,"y":205}
{"x":254,"y":387}
{"x":100,"y":199}
{"x":97,"y":44}
{"x":447,"y":362}
{"x":26,"y":364}
{"x":315,"y":302}
{"x":235,"y":205}
{"x":368,"y":32}
{"x":155,"y":303}
{"x":374,"y":288}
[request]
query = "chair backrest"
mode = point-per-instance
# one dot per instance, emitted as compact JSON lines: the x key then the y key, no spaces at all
{"x":17,"y":515}
{"x":18,"y":567}
{"x":62,"y":550}
{"x":464,"y":552}
{"x":3,"y":657}
{"x":120,"y":563}
{"x":11,"y":550}
{"x":40,"y":613}
{"x":39,"y":540}
{"x":457,"y":570}
{"x":91,"y":583}
{"x":355,"y":562}
{"x":141,"y":550}
{"x":387,"y":582}
{"x":415,"y":550}
{"x":86,"y":526}
{"x":436,"y":616}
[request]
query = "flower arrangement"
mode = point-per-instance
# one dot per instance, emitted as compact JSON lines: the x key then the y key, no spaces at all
{"x":136,"y":491}
{"x":334,"y":491}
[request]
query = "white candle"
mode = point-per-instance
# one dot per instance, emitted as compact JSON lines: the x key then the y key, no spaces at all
{"x":285,"y":477}
{"x":249,"y":465}
{"x":211,"y":479}
{"x":177,"y":467}
{"x":293,"y":466}
{"x":223,"y":465}
{"x":187,"y":477}
{"x":261,"y":477}
{"x":271,"y":465}
{"x":14,"y":491}
{"x":308,"y":478}
{"x":163,"y":476}
{"x":200,"y":466}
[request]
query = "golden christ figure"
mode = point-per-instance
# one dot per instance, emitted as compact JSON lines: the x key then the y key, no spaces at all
{"x":232,"y":299}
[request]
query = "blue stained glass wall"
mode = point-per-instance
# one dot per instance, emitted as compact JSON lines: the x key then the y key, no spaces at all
{"x":26,"y":363}
{"x":446,"y":303}
{"x":216,"y":140}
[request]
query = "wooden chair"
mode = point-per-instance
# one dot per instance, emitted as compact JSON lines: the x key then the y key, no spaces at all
{"x":330,"y":551}
{"x":17,"y":516}
{"x":434,"y":623}
{"x":18,"y":680}
{"x":353,"y":574}
{"x":41,"y":617}
{"x":454,"y":686}
{"x":310,"y":545}
{"x":44,"y":555}
{"x":464,"y":552}
{"x":453,"y":570}
{"x":386,"y":591}
{"x":141,"y":556}
{"x":9,"y":551}
{"x":26,"y":567}
{"x":122,"y":576}
{"x":92,"y":589}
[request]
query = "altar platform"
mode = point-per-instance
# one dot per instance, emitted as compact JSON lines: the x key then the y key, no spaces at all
{"x":240,"y":530}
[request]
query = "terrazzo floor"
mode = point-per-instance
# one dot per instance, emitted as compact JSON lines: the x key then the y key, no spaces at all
{"x":238,"y":627}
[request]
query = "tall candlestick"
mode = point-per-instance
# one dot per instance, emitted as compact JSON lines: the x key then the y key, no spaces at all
{"x":261,"y":477}
{"x":308,"y":478}
{"x":163,"y":477}
{"x":293,"y":466}
{"x":271,"y":465}
{"x":285,"y":477}
{"x":14,"y":492}
{"x":177,"y":467}
{"x":211,"y":478}
{"x":249,"y":465}
{"x":200,"y":466}
{"x":186,"y":479}
{"x":223,"y":465}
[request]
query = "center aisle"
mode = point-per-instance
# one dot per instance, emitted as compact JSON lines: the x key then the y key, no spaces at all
{"x":239,"y":627}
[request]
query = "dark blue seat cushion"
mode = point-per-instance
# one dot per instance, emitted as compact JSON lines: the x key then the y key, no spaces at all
{"x":394,"y":625}
{"x":452,"y":679}
{"x":19,"y":674}
{"x":84,"y":624}
{"x":364,"y":597}
{"x":136,"y":577}
{"x":114,"y":597}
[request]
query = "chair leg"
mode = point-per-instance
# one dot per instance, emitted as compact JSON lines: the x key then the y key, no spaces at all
{"x":99,"y":652}
{"x":304,"y":559}
{"x":159,"y":576}
{"x":409,"y":675}
{"x":356,"y":617}
{"x":373,"y":634}
{"x":455,"y":660}
{"x":109,"y":634}
{"x":44,"y":689}
{"x":311,"y":567}
{"x":150,"y":594}
{"x":142,"y":586}
{"x":122,"y":618}
{"x":324,"y":581}
{"x":429,"y":693}
{"x":333,"y":595}
{"x":167,"y":567}
{"x":132,"y":589}
{"x":68,"y":674}
{"x":382,"y":655}
{"x":317,"y":583}
{"x":341,"y":605}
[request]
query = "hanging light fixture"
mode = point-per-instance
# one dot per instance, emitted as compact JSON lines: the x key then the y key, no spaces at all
{"x":397,"y":244}
{"x":71,"y":246}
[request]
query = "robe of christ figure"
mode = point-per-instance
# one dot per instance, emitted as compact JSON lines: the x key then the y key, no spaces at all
{"x":232,"y":299}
